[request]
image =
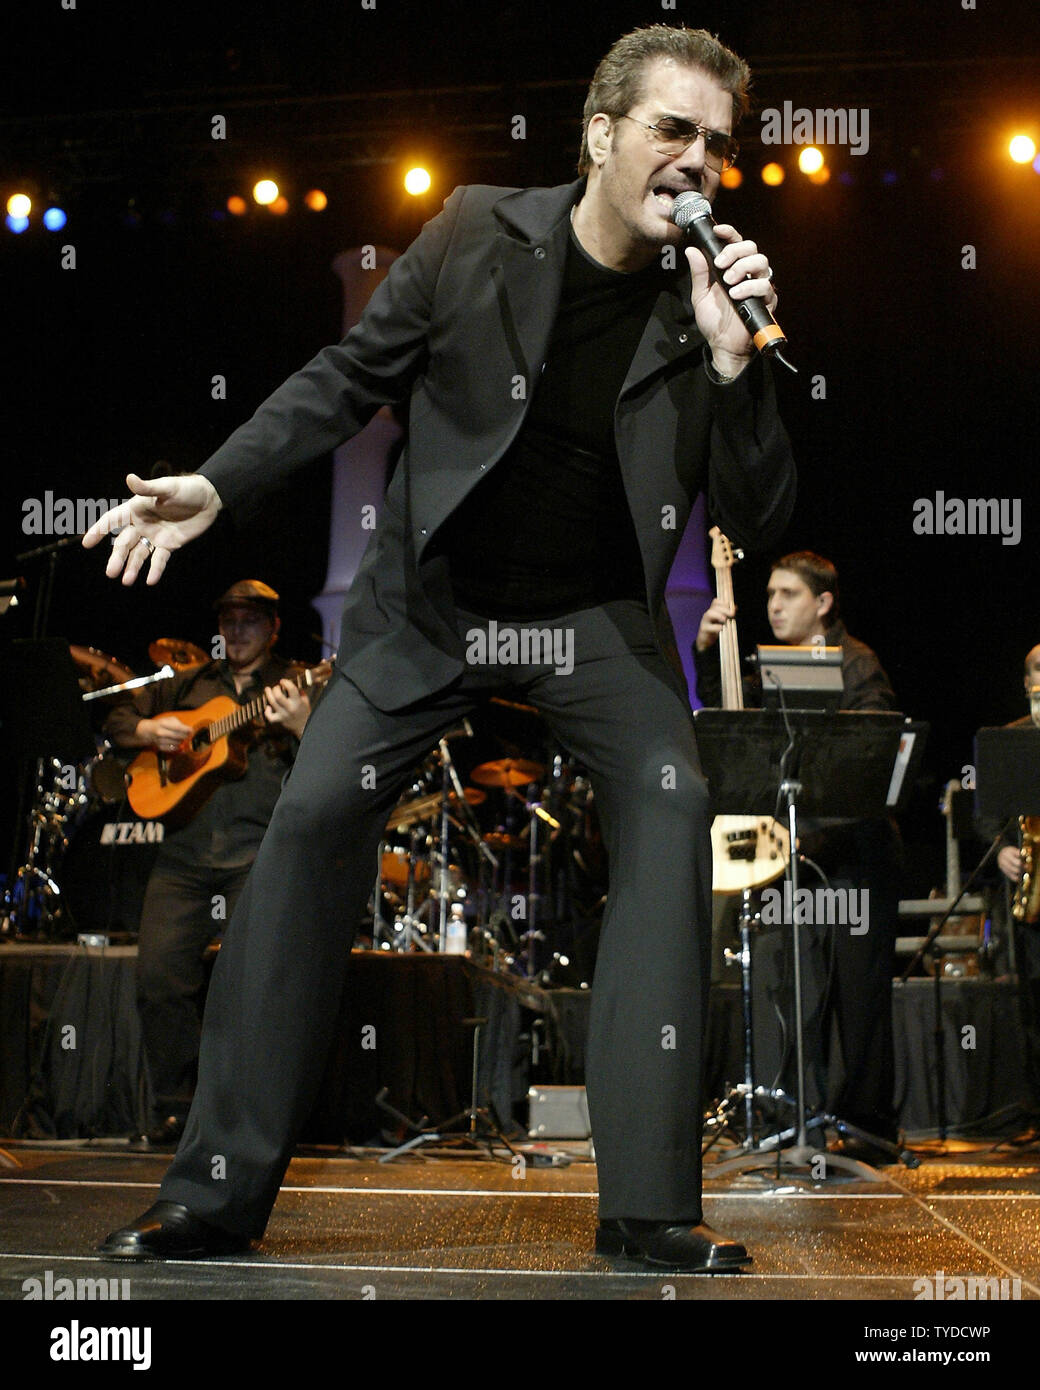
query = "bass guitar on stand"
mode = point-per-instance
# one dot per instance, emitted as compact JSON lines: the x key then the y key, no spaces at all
{"x":747,"y":851}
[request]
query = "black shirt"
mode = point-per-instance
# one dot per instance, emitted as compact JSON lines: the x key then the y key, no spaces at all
{"x":549,"y":530}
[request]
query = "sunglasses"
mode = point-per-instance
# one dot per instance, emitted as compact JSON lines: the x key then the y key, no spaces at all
{"x":671,"y":137}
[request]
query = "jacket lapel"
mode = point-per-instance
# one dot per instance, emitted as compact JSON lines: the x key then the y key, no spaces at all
{"x":671,"y":332}
{"x":528,"y":274}
{"x":531,"y":251}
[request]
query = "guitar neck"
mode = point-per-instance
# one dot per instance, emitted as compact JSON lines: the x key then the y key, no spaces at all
{"x":729,"y":651}
{"x":313,"y":676}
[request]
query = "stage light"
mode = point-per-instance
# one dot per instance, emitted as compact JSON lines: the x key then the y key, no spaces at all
{"x":19,"y":205}
{"x":54,"y":219}
{"x":810,"y":161}
{"x":16,"y":224}
{"x":417,"y":181}
{"x":821,"y":175}
{"x":237,"y":206}
{"x":280,"y":206}
{"x":1022,"y":149}
{"x":773,"y":175}
{"x":316,"y":200}
{"x":731,"y":178}
{"x":265,"y":192}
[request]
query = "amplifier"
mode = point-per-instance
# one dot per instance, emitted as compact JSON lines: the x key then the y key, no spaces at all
{"x":558,"y":1112}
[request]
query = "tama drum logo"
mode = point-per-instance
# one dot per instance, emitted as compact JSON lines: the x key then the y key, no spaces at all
{"x":133,"y":832}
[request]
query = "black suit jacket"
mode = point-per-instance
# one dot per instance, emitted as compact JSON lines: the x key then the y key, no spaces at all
{"x":455,"y":337}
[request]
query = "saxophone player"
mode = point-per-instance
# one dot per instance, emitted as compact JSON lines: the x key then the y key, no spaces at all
{"x":1018,"y":907}
{"x":1011,"y":858}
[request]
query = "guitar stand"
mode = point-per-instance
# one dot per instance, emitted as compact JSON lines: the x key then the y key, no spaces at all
{"x":482,"y":1132}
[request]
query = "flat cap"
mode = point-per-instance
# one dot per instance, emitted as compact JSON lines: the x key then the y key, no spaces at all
{"x":249,"y":591}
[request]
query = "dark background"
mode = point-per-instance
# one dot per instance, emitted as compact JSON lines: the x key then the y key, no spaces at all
{"x":930,"y":369}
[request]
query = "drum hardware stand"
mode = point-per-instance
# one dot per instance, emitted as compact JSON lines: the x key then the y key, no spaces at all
{"x":55,"y":722}
{"x":449,"y":781}
{"x":408,"y":929}
{"x":536,"y":811}
{"x":482,"y":1131}
{"x":746,"y":1092}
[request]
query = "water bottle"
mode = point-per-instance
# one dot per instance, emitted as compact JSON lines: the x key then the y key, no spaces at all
{"x":456,"y":932}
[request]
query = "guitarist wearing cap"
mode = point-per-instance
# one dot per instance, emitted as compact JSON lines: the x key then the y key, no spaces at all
{"x":212,"y":836}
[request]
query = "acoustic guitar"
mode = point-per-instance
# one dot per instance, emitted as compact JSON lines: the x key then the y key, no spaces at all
{"x":172,"y":787}
{"x":747,"y":851}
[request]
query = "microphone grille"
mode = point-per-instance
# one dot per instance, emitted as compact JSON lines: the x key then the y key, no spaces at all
{"x":689,"y":206}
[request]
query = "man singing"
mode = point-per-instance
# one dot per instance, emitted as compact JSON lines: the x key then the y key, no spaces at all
{"x":552,"y":365}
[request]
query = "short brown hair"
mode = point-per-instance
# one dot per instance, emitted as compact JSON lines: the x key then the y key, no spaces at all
{"x":814,"y":570}
{"x":617,"y":84}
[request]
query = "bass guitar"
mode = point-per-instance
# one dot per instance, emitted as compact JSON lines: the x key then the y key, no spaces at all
{"x":172,"y":787}
{"x":747,"y":851}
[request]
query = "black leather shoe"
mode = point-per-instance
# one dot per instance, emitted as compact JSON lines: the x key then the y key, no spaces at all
{"x":168,"y":1231}
{"x":667,"y":1245}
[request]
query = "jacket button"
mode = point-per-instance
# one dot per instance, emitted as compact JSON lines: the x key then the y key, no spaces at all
{"x":683,"y":337}
{"x":539,"y":253}
{"x":422,"y":530}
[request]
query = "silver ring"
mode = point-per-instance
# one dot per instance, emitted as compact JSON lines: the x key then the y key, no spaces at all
{"x":145,"y":541}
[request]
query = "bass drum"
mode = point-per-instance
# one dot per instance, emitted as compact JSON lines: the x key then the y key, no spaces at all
{"x":104,"y":872}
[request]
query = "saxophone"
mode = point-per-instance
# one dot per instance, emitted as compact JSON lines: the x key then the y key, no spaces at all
{"x":1025,"y":902}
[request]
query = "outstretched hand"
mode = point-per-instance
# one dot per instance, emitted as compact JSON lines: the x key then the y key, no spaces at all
{"x":163,"y":515}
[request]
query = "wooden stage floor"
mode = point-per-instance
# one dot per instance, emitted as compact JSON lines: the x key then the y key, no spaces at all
{"x":447,"y":1227}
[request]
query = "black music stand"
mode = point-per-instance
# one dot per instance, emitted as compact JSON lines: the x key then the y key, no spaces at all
{"x":43,"y":706}
{"x":1007,"y":773}
{"x":810,"y":763}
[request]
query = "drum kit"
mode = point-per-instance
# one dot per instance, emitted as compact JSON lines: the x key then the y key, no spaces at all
{"x":494,"y":868}
{"x":499,"y":868}
{"x":66,"y":804}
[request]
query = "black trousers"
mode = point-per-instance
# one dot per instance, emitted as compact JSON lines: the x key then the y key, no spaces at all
{"x":276,"y":987}
{"x":178,"y":921}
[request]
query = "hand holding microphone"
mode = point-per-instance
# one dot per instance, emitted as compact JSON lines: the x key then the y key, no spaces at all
{"x":692,"y":214}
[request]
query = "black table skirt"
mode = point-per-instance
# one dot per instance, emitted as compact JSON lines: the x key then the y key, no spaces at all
{"x":72,"y":1065}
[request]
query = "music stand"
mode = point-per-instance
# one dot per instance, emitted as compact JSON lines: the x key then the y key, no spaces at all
{"x":1007,"y":773}
{"x":817,"y":764}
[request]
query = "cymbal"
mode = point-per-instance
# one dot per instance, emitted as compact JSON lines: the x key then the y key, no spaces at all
{"x":97,"y":670}
{"x":507,"y":772}
{"x":428,"y":807}
{"x":170,"y":651}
